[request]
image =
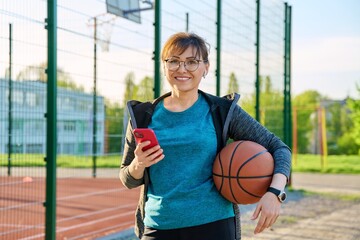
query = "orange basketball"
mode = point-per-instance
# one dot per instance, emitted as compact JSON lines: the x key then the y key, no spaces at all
{"x":243,"y":171}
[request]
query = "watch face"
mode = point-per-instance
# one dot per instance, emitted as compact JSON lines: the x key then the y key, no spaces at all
{"x":282,"y":197}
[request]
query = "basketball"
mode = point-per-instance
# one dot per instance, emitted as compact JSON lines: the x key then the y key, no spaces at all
{"x":243,"y":171}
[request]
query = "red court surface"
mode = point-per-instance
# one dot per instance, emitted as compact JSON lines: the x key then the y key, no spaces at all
{"x":87,"y":208}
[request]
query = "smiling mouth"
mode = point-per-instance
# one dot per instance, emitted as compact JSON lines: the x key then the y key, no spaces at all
{"x":182,"y":78}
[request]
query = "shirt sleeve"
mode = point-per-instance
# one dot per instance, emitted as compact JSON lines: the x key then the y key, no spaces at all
{"x":128,"y":156}
{"x":245,"y":127}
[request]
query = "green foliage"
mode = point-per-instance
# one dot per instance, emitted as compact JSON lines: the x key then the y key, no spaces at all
{"x":233,"y":84}
{"x":37,"y":73}
{"x":248,"y":104}
{"x":346,"y":144}
{"x":114,"y":127}
{"x":142,"y":92}
{"x":68,"y":161}
{"x":349,"y":164}
{"x":338,"y":123}
{"x":309,"y":99}
{"x":272,"y":103}
{"x":145,"y":89}
{"x":305,"y":162}
{"x":354,"y":106}
{"x":131,"y":88}
{"x":115,"y":113}
{"x":305,"y":105}
{"x":271,"y":106}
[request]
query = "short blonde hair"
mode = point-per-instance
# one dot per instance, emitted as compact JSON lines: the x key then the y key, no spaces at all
{"x":179,"y":42}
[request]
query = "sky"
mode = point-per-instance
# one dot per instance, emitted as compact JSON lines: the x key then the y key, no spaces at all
{"x":326,"y":47}
{"x":325,"y":44}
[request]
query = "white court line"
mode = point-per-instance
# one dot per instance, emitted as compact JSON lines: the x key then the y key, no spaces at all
{"x":90,"y":194}
{"x":129,"y":223}
{"x":80,"y":225}
{"x":62,"y":199}
{"x":17,"y":226}
{"x":26,"y":228}
{"x":61,"y":220}
{"x":21,"y":206}
{"x":94,"y":213}
{"x":21,"y":182}
{"x":41,"y":226}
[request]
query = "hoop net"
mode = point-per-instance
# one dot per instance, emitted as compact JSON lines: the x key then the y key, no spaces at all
{"x":104,"y":29}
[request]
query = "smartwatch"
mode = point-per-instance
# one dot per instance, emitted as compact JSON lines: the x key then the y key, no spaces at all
{"x":280,"y":194}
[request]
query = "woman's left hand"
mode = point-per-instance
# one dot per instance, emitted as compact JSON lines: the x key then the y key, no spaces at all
{"x":268,"y":209}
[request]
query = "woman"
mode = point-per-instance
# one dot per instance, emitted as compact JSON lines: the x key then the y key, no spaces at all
{"x":178,"y":198}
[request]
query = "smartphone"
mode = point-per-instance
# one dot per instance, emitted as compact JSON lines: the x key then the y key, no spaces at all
{"x":146,"y":134}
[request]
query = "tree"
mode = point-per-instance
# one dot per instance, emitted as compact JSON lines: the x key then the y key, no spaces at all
{"x":37,"y":73}
{"x":146,"y":89}
{"x":114,"y":127}
{"x":305,"y":105}
{"x":233,"y":84}
{"x":354,"y":106}
{"x":338,"y":123}
{"x":271,"y":106}
{"x":131,"y":89}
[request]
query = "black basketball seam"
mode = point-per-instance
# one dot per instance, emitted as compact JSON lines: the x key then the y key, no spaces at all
{"x":238,"y":178}
{"x":231,"y":160}
{"x":221,"y":168}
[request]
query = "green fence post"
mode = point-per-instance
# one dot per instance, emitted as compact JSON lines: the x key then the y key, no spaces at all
{"x":94,"y":143}
{"x":289,"y":77}
{"x":287,"y":84}
{"x":218,"y":48}
{"x":10,"y":103}
{"x":51,"y":121}
{"x":257,"y":64}
{"x":285,"y":116}
{"x":157,"y":73}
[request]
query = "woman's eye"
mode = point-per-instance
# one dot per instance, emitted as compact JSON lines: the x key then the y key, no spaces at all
{"x":191,"y":62}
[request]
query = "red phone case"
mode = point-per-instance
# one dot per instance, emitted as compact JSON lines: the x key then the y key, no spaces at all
{"x":145,"y":134}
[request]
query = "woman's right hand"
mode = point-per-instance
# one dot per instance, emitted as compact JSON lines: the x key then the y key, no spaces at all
{"x":144,"y":159}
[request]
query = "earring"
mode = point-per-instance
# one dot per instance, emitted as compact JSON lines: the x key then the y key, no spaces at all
{"x":204,"y":75}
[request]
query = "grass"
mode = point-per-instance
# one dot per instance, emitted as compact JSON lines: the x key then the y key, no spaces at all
{"x":302,"y":163}
{"x":349,"y":164}
{"x":333,"y":195}
{"x":66,"y":161}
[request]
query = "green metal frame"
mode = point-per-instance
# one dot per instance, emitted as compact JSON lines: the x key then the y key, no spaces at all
{"x":157,"y":50}
{"x":290,"y":143}
{"x":257,"y":64}
{"x":218,"y":48}
{"x":94,"y":122}
{"x":51,"y":120}
{"x":10,"y":103}
{"x":287,"y":77}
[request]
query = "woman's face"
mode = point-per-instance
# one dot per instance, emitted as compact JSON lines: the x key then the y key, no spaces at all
{"x":181,"y":79}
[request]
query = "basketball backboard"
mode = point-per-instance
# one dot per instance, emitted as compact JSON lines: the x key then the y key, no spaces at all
{"x":129,"y":9}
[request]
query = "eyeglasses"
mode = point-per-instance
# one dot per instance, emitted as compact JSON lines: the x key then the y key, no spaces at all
{"x":191,"y":65}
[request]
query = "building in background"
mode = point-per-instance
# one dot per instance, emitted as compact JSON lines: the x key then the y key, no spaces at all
{"x":74,"y":115}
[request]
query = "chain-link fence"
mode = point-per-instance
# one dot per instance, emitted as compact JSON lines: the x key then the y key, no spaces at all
{"x":102,"y":61}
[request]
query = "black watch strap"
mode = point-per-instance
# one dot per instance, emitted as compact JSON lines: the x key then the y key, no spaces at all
{"x":280,"y":194}
{"x":274,"y":191}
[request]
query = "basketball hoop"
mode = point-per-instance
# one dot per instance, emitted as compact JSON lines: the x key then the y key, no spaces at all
{"x":128,"y":9}
{"x":104,"y":28}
